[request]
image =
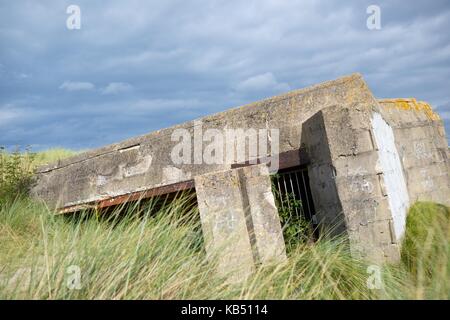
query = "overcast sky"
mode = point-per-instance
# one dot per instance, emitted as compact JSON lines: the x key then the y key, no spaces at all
{"x":137,"y":66}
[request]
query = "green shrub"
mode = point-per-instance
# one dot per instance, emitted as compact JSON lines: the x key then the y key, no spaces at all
{"x":296,"y":229}
{"x":17,"y":169}
{"x":16,"y":173}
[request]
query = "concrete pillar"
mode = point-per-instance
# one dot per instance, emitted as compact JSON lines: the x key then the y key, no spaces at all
{"x":352,"y":184}
{"x":239,"y":219}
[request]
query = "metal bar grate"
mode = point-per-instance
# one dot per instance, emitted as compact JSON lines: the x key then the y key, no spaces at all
{"x":293,"y":193}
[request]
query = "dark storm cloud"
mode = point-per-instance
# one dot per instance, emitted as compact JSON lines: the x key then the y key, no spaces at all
{"x":136,"y":66}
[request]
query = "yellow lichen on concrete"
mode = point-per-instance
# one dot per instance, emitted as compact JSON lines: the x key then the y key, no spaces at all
{"x":429,"y":111}
{"x":411,"y":104}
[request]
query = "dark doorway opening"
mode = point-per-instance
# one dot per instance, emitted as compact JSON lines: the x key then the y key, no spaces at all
{"x":295,"y":204}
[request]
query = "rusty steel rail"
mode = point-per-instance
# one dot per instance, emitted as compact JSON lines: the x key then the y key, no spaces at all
{"x":132,"y":196}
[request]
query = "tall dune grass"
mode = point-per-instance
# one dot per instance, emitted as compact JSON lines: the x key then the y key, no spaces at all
{"x":52,"y":155}
{"x":144,"y":251}
{"x":160,"y":256}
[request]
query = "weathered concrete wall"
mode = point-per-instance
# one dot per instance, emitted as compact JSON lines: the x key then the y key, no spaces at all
{"x":347,"y":180}
{"x":239,"y":219}
{"x":368,"y":162}
{"x":145,"y":162}
{"x":422,"y":146}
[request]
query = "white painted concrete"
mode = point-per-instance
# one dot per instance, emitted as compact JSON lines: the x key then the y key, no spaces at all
{"x":394,"y":178}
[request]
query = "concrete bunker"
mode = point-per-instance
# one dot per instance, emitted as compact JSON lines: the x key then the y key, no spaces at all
{"x":366,"y":161}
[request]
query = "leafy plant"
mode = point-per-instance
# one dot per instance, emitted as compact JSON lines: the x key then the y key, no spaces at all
{"x":16,"y":173}
{"x":296,"y":229}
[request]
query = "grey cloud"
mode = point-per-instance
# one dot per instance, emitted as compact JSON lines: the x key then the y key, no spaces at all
{"x":116,"y":87}
{"x":8,"y":114}
{"x":76,"y":86}
{"x":265,"y":81}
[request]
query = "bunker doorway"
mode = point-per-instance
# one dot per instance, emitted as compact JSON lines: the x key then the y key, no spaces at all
{"x":295,"y":204}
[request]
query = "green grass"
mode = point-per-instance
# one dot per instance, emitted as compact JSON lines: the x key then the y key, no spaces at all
{"x":426,"y":249}
{"x":143,"y":256}
{"x":17,"y":169}
{"x":137,"y":253}
{"x":53,"y":155}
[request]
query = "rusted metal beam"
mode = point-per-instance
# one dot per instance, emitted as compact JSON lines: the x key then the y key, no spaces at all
{"x":154,"y":192}
{"x":133,"y":196}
